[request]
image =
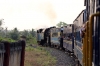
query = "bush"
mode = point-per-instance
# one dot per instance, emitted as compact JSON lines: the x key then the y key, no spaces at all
{"x":32,"y":40}
{"x":6,"y":39}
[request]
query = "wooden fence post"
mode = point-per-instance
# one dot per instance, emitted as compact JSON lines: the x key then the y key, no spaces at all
{"x":22,"y":53}
{"x":6,"y":54}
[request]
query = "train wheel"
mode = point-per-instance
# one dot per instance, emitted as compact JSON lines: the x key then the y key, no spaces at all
{"x":63,"y":49}
{"x":57,"y":47}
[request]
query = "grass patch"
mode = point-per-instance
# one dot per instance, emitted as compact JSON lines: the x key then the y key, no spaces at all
{"x":38,"y":57}
{"x":31,"y":40}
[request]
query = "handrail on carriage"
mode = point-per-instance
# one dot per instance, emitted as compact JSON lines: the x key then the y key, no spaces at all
{"x":90,"y":37}
{"x":85,"y":45}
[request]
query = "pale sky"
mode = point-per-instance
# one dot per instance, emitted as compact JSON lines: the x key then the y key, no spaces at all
{"x":28,"y":14}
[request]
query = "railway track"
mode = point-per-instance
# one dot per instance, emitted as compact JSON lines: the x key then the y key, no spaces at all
{"x":63,"y":58}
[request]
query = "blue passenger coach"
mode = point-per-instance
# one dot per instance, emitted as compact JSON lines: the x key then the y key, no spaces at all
{"x":68,"y":38}
{"x":78,"y":23}
{"x":55,"y":36}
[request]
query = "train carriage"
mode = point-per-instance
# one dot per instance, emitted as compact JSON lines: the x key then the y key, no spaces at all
{"x":93,"y":33}
{"x":39,"y":35}
{"x":55,"y":36}
{"x":47,"y":37}
{"x":78,"y":23}
{"x":43,"y":38}
{"x":68,"y":38}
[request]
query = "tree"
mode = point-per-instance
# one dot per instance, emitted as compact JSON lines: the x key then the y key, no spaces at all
{"x":61,"y":24}
{"x":25,"y":33}
{"x":1,"y":28}
{"x":14,"y":34}
{"x":1,"y":21}
{"x":32,"y":33}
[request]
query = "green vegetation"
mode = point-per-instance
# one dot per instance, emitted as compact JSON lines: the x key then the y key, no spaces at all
{"x":61,"y":24}
{"x":38,"y":57}
{"x":31,"y":41}
{"x":14,"y":35}
{"x":34,"y":56}
{"x":6,"y":39}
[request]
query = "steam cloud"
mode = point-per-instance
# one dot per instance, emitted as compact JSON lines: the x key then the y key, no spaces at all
{"x":48,"y":10}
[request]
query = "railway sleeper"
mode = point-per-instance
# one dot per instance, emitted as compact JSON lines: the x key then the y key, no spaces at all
{"x":56,"y":46}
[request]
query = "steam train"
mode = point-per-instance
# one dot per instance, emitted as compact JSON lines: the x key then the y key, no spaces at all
{"x":85,"y":48}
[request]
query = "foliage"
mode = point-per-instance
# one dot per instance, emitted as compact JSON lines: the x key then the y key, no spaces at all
{"x":1,"y":21}
{"x":33,"y":33}
{"x":25,"y":33}
{"x":6,"y":39}
{"x":31,"y":36}
{"x":31,"y":40}
{"x":14,"y":34}
{"x":61,"y":24}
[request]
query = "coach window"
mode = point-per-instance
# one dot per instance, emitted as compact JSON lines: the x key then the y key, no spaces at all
{"x":54,"y":34}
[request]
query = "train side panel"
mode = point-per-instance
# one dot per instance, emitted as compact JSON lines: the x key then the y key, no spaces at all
{"x":78,"y":22}
{"x":68,"y":38}
{"x":55,"y":36}
{"x":67,"y":44}
{"x":68,"y":41}
{"x":78,"y":47}
{"x":38,"y":36}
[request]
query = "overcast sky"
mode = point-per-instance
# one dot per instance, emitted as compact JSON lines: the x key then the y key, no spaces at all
{"x":28,"y":14}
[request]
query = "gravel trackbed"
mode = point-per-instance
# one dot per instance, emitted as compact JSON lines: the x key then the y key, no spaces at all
{"x":63,"y":59}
